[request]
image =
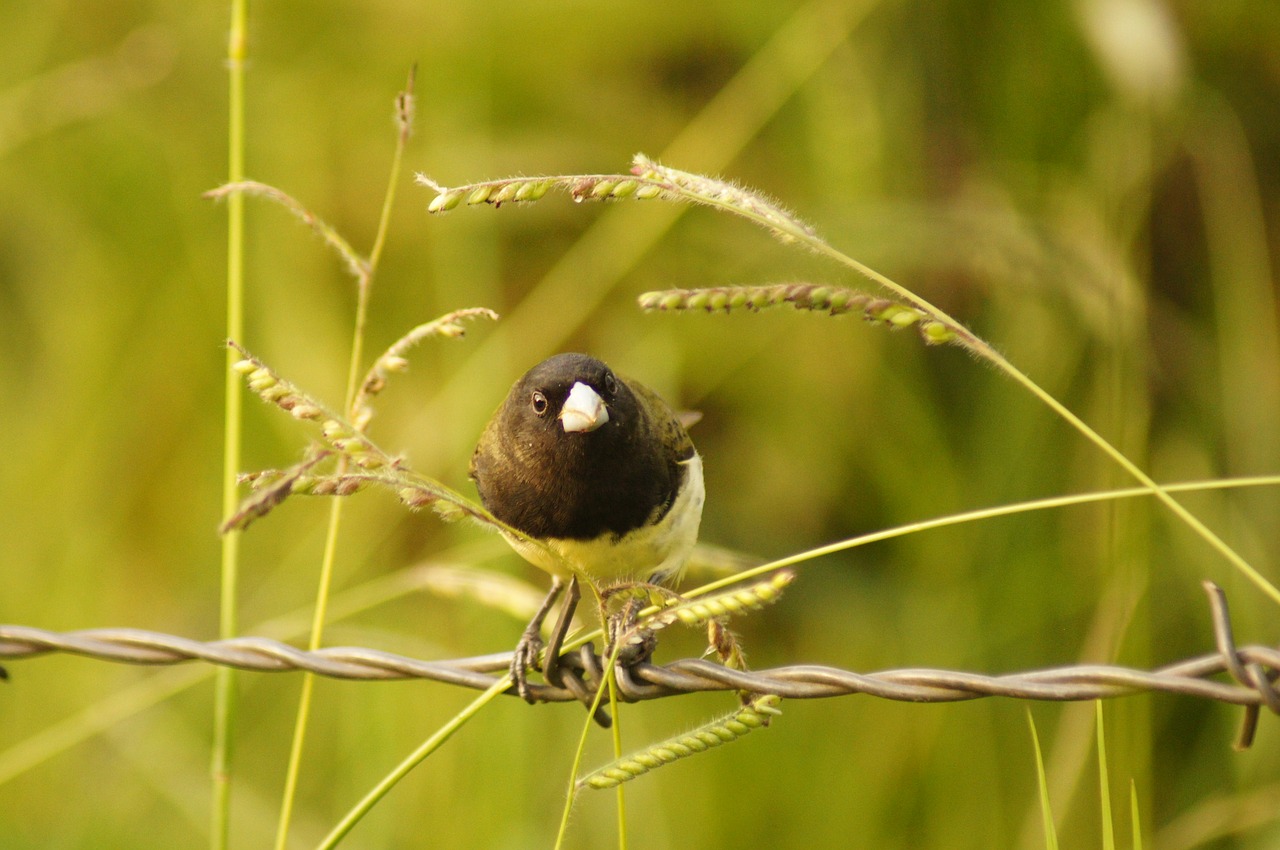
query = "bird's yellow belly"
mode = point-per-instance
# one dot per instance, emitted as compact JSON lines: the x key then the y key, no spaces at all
{"x":656,"y":552}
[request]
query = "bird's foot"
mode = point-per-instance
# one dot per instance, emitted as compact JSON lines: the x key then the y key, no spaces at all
{"x":636,"y":646}
{"x":528,"y":654}
{"x":632,"y":642}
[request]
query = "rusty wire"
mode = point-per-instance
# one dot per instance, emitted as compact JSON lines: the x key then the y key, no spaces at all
{"x":1253,"y":670}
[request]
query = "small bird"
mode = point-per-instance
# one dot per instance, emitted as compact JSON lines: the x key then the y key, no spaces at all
{"x":596,"y":469}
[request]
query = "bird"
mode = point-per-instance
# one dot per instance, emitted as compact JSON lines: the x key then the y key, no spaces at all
{"x":596,"y":481}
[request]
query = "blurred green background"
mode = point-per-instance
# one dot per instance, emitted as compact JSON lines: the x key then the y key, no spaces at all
{"x":1091,"y":185}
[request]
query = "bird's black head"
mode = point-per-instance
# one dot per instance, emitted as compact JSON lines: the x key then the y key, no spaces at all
{"x":573,"y":453}
{"x":573,"y":396}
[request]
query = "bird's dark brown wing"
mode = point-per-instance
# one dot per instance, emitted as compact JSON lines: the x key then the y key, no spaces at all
{"x":665,"y":422}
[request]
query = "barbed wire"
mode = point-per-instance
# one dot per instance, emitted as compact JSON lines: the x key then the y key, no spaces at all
{"x":1253,"y":670}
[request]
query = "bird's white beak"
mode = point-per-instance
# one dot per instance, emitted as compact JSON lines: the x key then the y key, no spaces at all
{"x":583,"y":410}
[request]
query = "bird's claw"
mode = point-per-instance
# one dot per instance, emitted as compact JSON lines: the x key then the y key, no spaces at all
{"x":632,"y":644}
{"x":528,"y":655}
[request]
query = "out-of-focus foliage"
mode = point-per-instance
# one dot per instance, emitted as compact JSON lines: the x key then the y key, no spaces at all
{"x":1090,"y":185}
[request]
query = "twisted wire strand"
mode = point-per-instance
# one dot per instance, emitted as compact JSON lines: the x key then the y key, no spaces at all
{"x":1253,"y":669}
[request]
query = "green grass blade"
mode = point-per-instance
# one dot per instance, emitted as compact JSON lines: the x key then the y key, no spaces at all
{"x":621,"y":790}
{"x":364,"y":285}
{"x":402,"y":770}
{"x":1135,"y":816}
{"x":225,"y":683}
{"x":576,"y":769}
{"x":1104,"y":785}
{"x":1046,"y":812}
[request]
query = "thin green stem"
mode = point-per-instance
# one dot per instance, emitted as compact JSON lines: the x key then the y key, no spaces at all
{"x":364,"y":288}
{"x":1135,"y":816}
{"x":402,"y":770}
{"x":365,"y":281}
{"x":973,"y":516}
{"x":1161,"y":493}
{"x":651,"y":180}
{"x":617,"y":754}
{"x":979,"y":347}
{"x":1046,"y":810}
{"x":1104,"y":783}
{"x":576,"y":768}
{"x":303,"y":717}
{"x":225,"y":682}
{"x":404,"y":120}
{"x":986,"y":352}
{"x":943,"y":522}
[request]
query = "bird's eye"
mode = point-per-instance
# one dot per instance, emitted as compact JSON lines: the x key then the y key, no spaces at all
{"x":539,"y":402}
{"x":610,"y":384}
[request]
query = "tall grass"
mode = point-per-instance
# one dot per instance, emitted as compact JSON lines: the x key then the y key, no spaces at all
{"x":228,"y":605}
{"x":1111,"y":238}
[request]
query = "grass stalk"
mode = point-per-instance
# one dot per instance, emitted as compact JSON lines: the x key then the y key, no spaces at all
{"x":225,"y":682}
{"x":621,"y":791}
{"x":791,"y":230}
{"x":402,"y":770}
{"x":1135,"y":815}
{"x":364,"y":288}
{"x":651,"y":180}
{"x":1104,"y":784}
{"x":974,"y":516}
{"x":576,"y":769}
{"x":302,"y":718}
{"x":942,"y":522}
{"x":1046,"y":811}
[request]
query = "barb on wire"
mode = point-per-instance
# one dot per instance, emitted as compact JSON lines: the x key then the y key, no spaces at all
{"x":1254,"y":670}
